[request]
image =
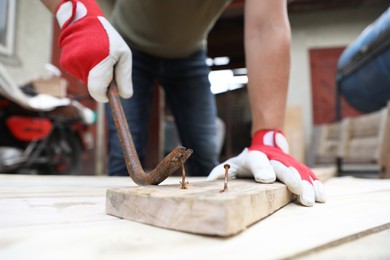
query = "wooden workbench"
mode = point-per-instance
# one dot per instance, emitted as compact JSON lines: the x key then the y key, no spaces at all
{"x":63,"y":217}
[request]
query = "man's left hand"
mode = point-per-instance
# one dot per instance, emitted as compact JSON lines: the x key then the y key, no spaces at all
{"x":267,"y":159}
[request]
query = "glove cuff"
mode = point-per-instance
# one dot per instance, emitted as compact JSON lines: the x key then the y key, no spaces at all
{"x":269,"y":137}
{"x":70,"y":11}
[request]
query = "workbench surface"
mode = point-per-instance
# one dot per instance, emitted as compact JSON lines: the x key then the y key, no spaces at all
{"x":63,"y":217}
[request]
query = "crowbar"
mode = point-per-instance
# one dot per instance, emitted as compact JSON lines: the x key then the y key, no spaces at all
{"x":169,"y":164}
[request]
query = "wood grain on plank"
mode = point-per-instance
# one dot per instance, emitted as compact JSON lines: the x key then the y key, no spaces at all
{"x":201,"y":209}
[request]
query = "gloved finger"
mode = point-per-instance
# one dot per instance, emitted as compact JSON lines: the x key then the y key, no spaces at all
{"x":287,"y":175}
{"x":258,"y":164}
{"x":319,"y":191}
{"x":123,"y":60}
{"x":216,"y":173}
{"x":307,"y":197}
{"x":123,"y":79}
{"x":236,"y":167}
{"x":99,"y":79}
{"x":219,"y":171}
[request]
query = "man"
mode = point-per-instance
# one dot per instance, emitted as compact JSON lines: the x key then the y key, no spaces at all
{"x":167,"y":42}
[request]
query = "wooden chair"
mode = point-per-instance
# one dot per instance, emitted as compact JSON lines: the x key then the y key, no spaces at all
{"x":356,"y":145}
{"x":364,"y":143}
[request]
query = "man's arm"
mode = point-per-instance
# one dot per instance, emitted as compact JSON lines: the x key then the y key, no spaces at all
{"x":267,"y":52}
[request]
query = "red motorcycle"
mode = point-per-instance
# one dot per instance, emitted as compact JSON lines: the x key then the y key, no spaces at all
{"x":39,"y":133}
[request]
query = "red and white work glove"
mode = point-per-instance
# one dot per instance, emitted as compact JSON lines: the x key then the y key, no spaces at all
{"x":267,"y":159}
{"x":92,"y":50}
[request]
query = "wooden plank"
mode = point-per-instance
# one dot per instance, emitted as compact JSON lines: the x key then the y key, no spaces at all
{"x":375,"y":238}
{"x":384,"y":150}
{"x":55,"y":87}
{"x":202,"y":209}
{"x":368,"y":124}
{"x":43,"y":217}
{"x":293,"y":128}
{"x":364,"y":149}
{"x":331,"y":141}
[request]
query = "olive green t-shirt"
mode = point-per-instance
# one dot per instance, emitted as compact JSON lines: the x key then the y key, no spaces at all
{"x":166,"y":28}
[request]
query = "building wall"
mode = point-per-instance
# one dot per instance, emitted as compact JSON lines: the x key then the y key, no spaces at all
{"x":321,"y":29}
{"x":34,"y":30}
{"x":33,"y":41}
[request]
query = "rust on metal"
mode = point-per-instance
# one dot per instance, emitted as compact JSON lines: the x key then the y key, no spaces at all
{"x":184,"y":183}
{"x":225,"y":187}
{"x":164,"y":169}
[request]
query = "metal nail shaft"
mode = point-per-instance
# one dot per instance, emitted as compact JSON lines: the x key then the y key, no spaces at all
{"x":225,"y":184}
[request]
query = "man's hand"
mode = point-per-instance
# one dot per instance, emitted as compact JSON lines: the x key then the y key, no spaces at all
{"x":267,"y":159}
{"x":92,"y":50}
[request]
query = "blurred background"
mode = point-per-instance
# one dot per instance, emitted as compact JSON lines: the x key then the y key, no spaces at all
{"x":317,"y":106}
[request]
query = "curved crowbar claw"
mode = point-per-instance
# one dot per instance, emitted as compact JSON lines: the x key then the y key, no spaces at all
{"x":164,"y":169}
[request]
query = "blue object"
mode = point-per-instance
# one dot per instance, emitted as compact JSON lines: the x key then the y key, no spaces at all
{"x":364,"y":67}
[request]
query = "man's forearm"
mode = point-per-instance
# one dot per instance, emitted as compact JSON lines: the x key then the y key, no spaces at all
{"x":267,"y":48}
{"x":51,"y":4}
{"x":268,"y":64}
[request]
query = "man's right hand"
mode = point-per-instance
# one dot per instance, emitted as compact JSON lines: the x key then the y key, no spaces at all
{"x":92,"y":50}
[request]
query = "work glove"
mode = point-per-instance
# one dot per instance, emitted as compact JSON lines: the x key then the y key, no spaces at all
{"x":92,"y":50}
{"x":267,"y":159}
